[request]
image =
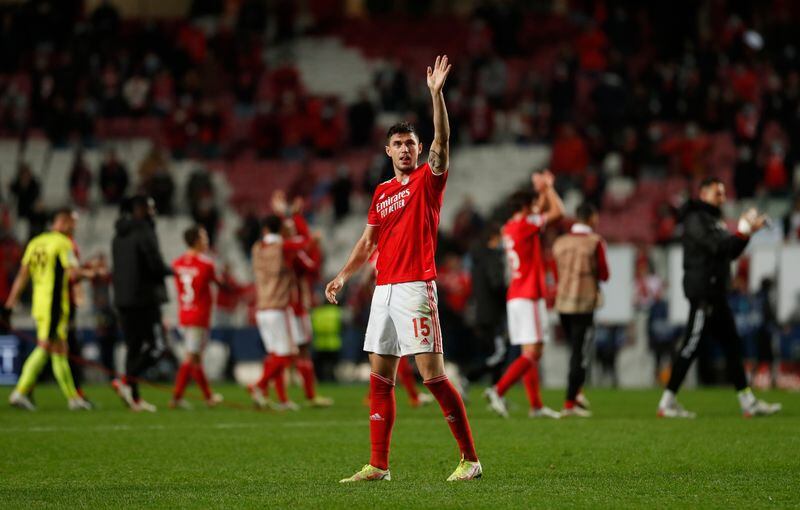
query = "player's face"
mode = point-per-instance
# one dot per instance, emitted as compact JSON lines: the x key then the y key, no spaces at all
{"x":714,"y":194}
{"x":404,"y":149}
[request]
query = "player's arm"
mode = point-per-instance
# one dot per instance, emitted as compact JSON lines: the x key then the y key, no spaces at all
{"x":20,"y":282}
{"x":439,"y":156}
{"x":549,"y":203}
{"x":361,"y":253}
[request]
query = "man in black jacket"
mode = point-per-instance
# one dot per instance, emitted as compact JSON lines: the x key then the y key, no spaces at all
{"x":708,"y":251}
{"x":139,"y":291}
{"x":489,"y":296}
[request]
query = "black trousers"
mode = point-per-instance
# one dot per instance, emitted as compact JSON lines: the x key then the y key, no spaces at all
{"x":144,"y":340}
{"x":709,"y":318}
{"x":579,"y":330}
{"x":74,"y":350}
{"x":492,"y":353}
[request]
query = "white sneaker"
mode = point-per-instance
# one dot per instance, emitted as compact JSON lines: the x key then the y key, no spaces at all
{"x":215,"y":400}
{"x":257,"y":396}
{"x":582,"y":401}
{"x":674,"y":410}
{"x":496,"y":402}
{"x":320,"y":401}
{"x":180,"y":403}
{"x":576,"y":411}
{"x":79,"y":404}
{"x":285,"y":406}
{"x":761,"y":408}
{"x":124,"y":391}
{"x":21,"y":401}
{"x":423,"y":399}
{"x":143,"y":406}
{"x":544,"y":412}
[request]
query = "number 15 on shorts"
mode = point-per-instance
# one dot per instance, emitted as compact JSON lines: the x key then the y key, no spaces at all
{"x":421,"y":325}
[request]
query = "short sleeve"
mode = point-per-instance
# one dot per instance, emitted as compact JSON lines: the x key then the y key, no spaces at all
{"x":66,"y":255}
{"x":26,"y":257}
{"x":435,"y":183}
{"x":373,"y":218}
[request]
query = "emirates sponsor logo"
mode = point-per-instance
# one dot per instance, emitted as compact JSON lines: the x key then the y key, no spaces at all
{"x":393,"y":203}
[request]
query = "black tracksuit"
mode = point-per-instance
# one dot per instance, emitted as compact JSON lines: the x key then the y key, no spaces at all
{"x":139,"y":291}
{"x":489,"y":295}
{"x":708,"y":250}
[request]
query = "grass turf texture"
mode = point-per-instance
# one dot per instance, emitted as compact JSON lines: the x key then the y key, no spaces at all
{"x":237,"y":457}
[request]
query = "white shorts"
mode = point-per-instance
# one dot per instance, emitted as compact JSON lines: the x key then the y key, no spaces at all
{"x":195,"y":339}
{"x":276,"y":331}
{"x":301,"y":328}
{"x":527,"y":321}
{"x":404,"y":319}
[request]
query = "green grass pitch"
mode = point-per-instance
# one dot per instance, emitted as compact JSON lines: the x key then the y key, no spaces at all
{"x":235,"y":457}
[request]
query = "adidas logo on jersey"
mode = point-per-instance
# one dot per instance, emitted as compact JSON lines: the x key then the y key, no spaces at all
{"x":376,"y":417}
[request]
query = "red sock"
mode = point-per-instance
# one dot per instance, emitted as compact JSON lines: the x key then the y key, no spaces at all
{"x":182,"y":379}
{"x":281,"y":362}
{"x":455,"y":414}
{"x":531,"y":382}
{"x":266,"y":372}
{"x":382,"y":409}
{"x":513,"y":374}
{"x":199,"y":375}
{"x":407,"y":379}
{"x":306,"y":368}
{"x":569,"y":404}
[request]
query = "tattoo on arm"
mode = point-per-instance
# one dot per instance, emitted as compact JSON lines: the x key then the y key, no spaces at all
{"x":435,"y":160}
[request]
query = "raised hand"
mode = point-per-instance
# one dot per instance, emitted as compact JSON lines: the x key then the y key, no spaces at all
{"x":438,"y":74}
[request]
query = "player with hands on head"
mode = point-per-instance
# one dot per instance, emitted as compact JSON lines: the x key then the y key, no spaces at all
{"x":402,"y":224}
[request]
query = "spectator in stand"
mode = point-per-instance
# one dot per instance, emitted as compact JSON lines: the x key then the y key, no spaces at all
{"x":776,"y":178}
{"x":156,"y":181}
{"x":266,"y":131}
{"x":340,"y":191}
{"x":467,"y":225}
{"x":10,"y":255}
{"x":746,"y":175}
{"x":80,"y":180}
{"x":202,"y":203}
{"x":361,"y":119}
{"x":136,"y":92}
{"x":25,"y":188}
{"x":209,"y":128}
{"x":481,"y":120}
{"x":113,"y":178}
{"x":570,"y":155}
{"x":791,"y":222}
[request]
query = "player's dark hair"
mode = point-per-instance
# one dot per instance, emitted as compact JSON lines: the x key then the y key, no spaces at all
{"x":191,"y":235}
{"x":585,"y":212}
{"x":401,"y":128}
{"x":539,"y":171}
{"x":273,"y":223}
{"x":130,"y":204}
{"x":709,"y":181}
{"x":521,"y":199}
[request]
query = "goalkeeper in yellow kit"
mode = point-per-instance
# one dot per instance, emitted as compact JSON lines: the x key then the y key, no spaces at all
{"x":49,"y":262}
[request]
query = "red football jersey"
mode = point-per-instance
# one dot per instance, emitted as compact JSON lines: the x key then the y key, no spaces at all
{"x":194,"y":275}
{"x":407,"y":216}
{"x":524,"y":257}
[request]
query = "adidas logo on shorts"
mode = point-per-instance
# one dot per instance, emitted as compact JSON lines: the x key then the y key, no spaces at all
{"x":425,"y":342}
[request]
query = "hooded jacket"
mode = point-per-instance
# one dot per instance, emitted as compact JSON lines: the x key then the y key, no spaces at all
{"x":708,"y":250}
{"x":139,"y":268}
